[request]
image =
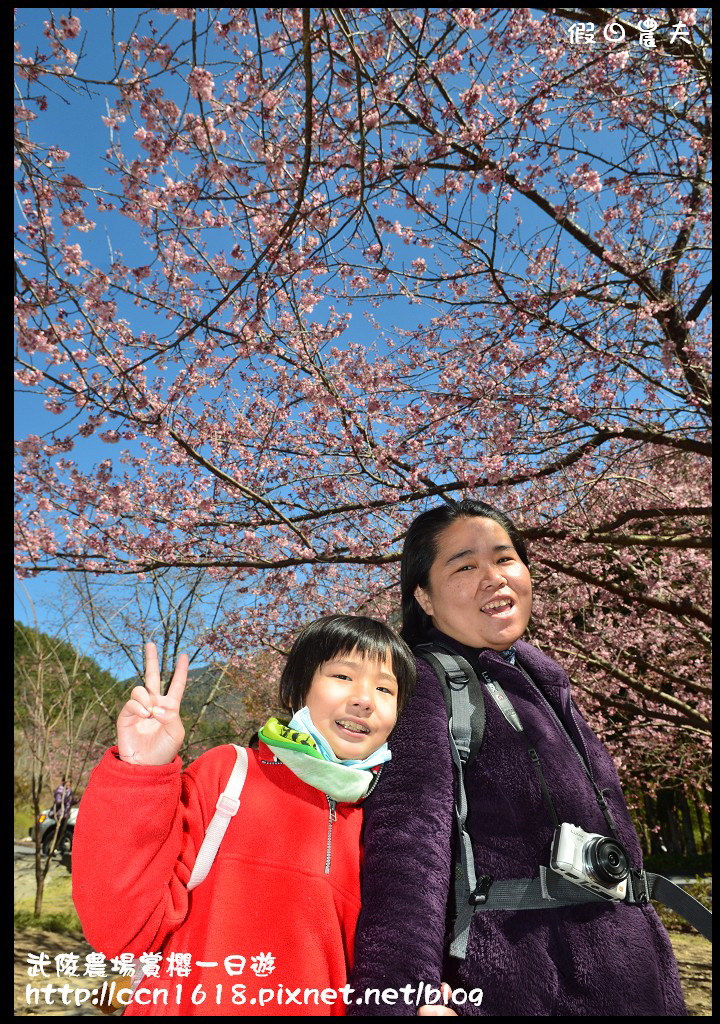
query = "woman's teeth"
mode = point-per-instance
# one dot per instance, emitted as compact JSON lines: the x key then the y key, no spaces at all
{"x":497,"y":606}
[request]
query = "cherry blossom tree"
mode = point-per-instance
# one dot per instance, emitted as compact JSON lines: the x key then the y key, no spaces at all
{"x":363,"y":260}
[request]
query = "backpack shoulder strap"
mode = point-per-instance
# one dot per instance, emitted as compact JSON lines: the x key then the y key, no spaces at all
{"x":226,"y":807}
{"x":466,"y":726}
{"x":464,"y":699}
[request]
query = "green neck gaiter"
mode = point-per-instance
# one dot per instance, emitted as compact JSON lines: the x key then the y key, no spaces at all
{"x":299,"y":752}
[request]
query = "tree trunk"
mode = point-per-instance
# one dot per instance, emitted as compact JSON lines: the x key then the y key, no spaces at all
{"x":652,"y":818}
{"x":642,"y":824}
{"x":687,"y":824}
{"x":700,"y":815}
{"x":676,"y":839}
{"x":36,"y":783}
{"x":42,"y":862}
{"x":666,"y":817}
{"x":39,"y":877}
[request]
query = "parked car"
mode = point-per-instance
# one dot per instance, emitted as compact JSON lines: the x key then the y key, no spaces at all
{"x":46,"y":825}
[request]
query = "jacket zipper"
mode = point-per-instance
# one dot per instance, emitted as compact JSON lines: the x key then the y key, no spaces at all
{"x":331,"y":821}
{"x":332,"y":818}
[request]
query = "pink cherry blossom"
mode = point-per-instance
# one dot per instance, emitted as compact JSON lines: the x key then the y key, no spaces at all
{"x":201,"y":84}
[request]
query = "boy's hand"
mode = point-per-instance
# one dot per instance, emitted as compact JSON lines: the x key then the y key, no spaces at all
{"x":149,"y":729}
{"x":438,"y":1009}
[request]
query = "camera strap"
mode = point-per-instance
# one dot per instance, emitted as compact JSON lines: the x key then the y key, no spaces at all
{"x":510,"y":715}
{"x":599,"y":793}
{"x":534,"y":894}
{"x":551,"y":890}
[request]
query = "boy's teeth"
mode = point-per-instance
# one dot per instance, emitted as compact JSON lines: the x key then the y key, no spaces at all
{"x":353,"y":727}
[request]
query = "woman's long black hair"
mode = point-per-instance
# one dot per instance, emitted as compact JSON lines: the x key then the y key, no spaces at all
{"x":420,"y":550}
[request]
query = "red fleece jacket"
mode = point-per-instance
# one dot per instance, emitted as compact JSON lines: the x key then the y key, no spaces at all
{"x":270,"y":889}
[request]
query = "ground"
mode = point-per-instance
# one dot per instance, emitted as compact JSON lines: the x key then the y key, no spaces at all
{"x":694,"y":954}
{"x":35,"y":941}
{"x":694,"y":957}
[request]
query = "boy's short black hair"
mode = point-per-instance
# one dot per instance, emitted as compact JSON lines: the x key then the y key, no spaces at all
{"x":332,"y":635}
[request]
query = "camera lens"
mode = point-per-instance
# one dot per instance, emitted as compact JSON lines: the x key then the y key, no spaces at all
{"x":606,"y":860}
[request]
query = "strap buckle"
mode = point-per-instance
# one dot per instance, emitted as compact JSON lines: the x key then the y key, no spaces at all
{"x":227,"y":805}
{"x":640,"y":887}
{"x":480,"y":894}
{"x":456,"y":678}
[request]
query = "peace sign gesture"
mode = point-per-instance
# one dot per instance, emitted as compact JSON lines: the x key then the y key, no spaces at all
{"x":149,"y":729}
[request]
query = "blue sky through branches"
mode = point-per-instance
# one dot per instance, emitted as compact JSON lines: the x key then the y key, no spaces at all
{"x":77,"y":126}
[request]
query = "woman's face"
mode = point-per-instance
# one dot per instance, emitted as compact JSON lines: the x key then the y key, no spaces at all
{"x":479,"y":591}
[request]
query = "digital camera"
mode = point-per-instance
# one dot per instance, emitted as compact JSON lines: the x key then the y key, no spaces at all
{"x":590,"y":860}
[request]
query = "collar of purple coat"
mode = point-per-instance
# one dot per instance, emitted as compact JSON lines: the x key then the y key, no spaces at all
{"x":543,"y":670}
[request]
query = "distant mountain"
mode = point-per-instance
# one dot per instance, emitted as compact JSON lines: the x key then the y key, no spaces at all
{"x":193,"y":674}
{"x":227,"y":702}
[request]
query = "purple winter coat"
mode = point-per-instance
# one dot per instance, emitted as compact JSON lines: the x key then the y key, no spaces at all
{"x":607,"y":959}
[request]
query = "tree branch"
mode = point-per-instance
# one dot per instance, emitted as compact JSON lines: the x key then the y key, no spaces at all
{"x":679,"y":609}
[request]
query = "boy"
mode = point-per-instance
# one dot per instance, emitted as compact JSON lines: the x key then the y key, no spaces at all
{"x":270,"y":931}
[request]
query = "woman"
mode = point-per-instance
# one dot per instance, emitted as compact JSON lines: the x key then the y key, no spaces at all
{"x":466,"y":584}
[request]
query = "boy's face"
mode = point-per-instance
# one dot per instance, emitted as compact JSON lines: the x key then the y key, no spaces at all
{"x":353,"y":703}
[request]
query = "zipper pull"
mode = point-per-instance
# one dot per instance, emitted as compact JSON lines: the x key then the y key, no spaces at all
{"x":331,"y":822}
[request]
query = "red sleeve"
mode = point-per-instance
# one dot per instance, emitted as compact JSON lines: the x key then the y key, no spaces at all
{"x":136,"y":838}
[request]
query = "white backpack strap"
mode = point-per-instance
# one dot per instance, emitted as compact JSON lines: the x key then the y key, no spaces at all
{"x":226,"y":807}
